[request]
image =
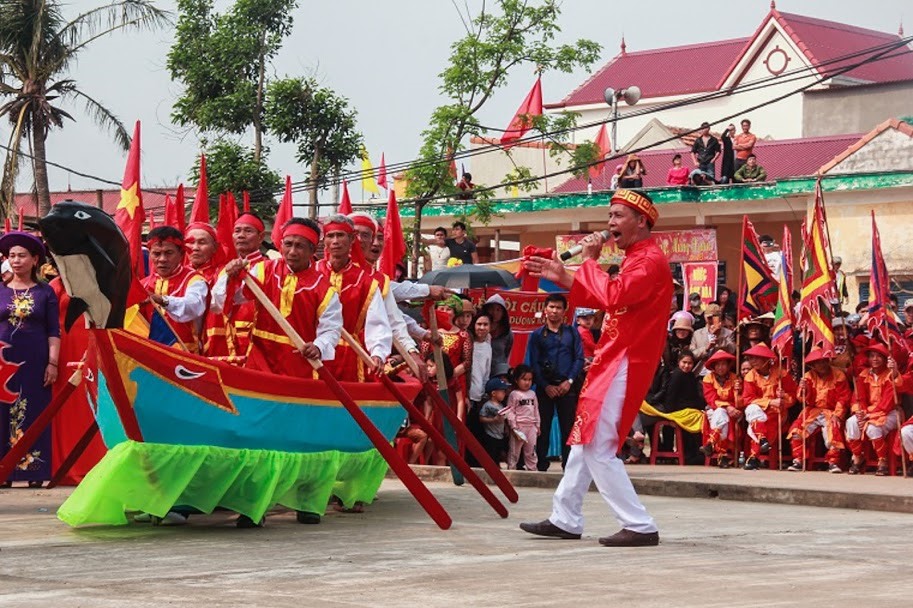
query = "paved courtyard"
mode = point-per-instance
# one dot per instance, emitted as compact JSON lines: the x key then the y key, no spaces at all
{"x":712,"y":553}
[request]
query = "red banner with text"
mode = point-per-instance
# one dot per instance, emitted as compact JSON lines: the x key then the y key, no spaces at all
{"x":701,"y":278}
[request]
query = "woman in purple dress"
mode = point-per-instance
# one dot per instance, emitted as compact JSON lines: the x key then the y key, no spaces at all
{"x":30,"y":333}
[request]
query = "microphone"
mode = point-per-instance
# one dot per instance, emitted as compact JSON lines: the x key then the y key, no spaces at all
{"x":578,"y":248}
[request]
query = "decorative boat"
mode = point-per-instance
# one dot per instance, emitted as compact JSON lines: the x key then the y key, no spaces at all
{"x":185,"y":430}
{"x":153,"y":393}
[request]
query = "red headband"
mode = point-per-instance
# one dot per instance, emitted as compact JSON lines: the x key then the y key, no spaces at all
{"x":247,"y":219}
{"x":303,"y":231}
{"x":364,"y":221}
{"x":207,"y":228}
{"x":168,"y":239}
{"x":338,"y":227}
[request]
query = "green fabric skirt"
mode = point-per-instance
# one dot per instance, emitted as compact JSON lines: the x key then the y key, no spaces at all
{"x":153,"y":478}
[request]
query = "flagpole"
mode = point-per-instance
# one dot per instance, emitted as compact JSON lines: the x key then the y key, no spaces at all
{"x":740,"y":301}
{"x":897,"y":409}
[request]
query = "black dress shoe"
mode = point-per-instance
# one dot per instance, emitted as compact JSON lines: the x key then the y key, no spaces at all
{"x":307,"y":517}
{"x":630,"y":538}
{"x":765,"y":446}
{"x":245,"y":523}
{"x":752,"y":464}
{"x":547,"y":528}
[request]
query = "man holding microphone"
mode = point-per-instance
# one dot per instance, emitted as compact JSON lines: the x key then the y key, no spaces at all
{"x":634,"y":331}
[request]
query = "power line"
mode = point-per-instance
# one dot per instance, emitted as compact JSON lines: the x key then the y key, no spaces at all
{"x":875,"y":53}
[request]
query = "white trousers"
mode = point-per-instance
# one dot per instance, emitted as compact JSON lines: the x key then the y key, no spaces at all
{"x":820,"y":422}
{"x":854,"y":432}
{"x":597,"y":461}
{"x":754,"y":413}
{"x":719,"y":419}
{"x":906,"y":437}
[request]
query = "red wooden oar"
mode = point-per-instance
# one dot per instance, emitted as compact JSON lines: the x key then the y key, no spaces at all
{"x":469,"y":440}
{"x":436,"y":436}
{"x":74,"y":454}
{"x":18,"y":451}
{"x":399,"y":466}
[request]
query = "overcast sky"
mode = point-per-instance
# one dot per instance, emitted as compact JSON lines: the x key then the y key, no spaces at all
{"x":384,"y":56}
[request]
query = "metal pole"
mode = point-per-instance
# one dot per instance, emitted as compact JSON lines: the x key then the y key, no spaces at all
{"x":615,"y":126}
{"x":497,"y":244}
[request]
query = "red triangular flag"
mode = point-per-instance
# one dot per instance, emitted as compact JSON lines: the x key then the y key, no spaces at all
{"x":284,"y":213}
{"x":604,"y":145}
{"x":7,"y":224}
{"x":345,"y":203}
{"x":152,"y":224}
{"x":394,"y":243}
{"x":228,"y":215}
{"x":520,"y":124}
{"x":180,"y":209}
{"x":20,"y":220}
{"x":200,"y":211}
{"x":452,"y":168}
{"x":382,"y":173}
{"x":129,"y":213}
{"x":246,"y":198}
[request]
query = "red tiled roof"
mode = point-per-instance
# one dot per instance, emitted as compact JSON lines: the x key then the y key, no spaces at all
{"x":660,"y":72}
{"x":823,"y":41}
{"x":782,"y":158}
{"x":152,"y":200}
{"x":671,"y":71}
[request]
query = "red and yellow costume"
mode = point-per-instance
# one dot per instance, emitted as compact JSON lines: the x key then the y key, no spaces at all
{"x":720,"y":394}
{"x":758,"y":391}
{"x":878,"y":400}
{"x":827,"y":400}
{"x":188,"y":294}
{"x":308,"y":301}
{"x":359,"y":294}
{"x":228,"y":331}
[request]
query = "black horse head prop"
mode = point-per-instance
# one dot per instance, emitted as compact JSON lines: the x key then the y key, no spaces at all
{"x":93,"y":257}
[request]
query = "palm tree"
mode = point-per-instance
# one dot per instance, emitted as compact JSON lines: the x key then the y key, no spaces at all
{"x":37,"y":45}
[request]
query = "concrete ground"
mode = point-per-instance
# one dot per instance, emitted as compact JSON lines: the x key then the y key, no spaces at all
{"x":712,"y":553}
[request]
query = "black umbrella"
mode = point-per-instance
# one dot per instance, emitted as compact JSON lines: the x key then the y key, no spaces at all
{"x":470,"y":276}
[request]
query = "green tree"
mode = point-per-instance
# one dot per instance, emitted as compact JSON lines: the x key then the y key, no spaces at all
{"x":516,"y":33}
{"x":230,"y":167}
{"x":319,"y":121}
{"x":222,"y":60}
{"x":37,"y":48}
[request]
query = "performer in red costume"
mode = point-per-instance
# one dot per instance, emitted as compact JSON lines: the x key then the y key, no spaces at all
{"x":768,"y":391}
{"x":203,"y":253}
{"x":180,"y":291}
{"x":303,"y":296}
{"x":363,"y":312}
{"x":636,"y":305}
{"x":228,"y":331}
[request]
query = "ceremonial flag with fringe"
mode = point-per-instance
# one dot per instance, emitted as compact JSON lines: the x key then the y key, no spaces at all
{"x":521,"y":122}
{"x":757,"y":286}
{"x":881,"y":321}
{"x":781,"y":338}
{"x":129,"y":214}
{"x":818,"y":280}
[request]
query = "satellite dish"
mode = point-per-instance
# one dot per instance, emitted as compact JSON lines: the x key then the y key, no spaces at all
{"x":609,"y":96}
{"x":631,"y":95}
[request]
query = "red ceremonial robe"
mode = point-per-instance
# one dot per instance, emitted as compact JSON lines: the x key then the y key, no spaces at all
{"x":356,"y":287}
{"x":301,"y":297}
{"x":636,"y":303}
{"x":176,"y":285}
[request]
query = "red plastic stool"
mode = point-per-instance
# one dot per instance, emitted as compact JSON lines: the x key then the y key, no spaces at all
{"x":676,"y":452}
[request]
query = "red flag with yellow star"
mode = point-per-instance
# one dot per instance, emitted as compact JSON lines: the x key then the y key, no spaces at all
{"x":129,"y":213}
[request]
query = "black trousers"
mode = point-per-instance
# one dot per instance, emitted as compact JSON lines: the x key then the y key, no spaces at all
{"x":566,"y":408}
